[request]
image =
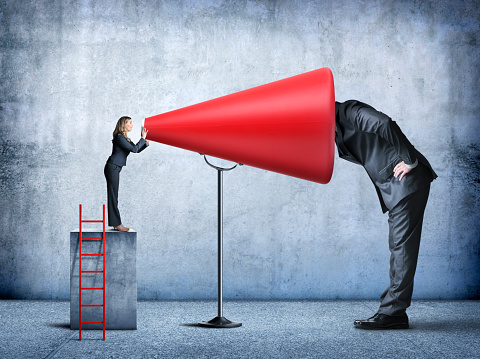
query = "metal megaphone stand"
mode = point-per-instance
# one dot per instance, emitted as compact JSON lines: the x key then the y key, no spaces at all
{"x":220,"y":321}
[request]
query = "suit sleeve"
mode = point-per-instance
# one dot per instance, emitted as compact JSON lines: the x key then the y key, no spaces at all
{"x":143,"y":147}
{"x":370,"y":120}
{"x":123,"y":143}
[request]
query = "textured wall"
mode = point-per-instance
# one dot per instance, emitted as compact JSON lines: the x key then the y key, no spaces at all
{"x":70,"y":69}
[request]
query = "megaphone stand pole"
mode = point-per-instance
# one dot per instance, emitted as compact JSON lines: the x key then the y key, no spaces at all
{"x":220,"y":321}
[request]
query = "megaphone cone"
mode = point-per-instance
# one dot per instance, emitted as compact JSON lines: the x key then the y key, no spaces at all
{"x":286,"y":126}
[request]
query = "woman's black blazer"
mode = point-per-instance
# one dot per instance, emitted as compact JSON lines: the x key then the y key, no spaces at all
{"x":122,"y":148}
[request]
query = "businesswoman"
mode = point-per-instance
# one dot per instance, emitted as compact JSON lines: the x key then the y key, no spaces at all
{"x":122,"y":146}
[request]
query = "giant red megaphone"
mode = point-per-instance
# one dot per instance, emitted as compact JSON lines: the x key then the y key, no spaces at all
{"x":286,"y":126}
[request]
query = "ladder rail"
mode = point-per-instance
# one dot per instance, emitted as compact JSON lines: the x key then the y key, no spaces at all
{"x":80,"y":278}
{"x":103,"y":272}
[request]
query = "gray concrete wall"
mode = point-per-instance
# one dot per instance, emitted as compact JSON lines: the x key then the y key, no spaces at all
{"x":70,"y":69}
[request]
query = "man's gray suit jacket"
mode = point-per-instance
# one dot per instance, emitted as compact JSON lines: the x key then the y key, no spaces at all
{"x":370,"y":138}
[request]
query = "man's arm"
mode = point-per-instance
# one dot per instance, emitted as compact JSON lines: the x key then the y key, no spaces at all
{"x":370,"y":120}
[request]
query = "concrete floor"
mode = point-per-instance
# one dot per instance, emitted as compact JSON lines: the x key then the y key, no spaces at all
{"x":271,"y":329}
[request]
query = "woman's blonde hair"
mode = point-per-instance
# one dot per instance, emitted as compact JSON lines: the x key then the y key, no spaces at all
{"x":121,"y":127}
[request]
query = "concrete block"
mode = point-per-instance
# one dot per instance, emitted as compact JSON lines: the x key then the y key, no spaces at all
{"x":120,"y":279}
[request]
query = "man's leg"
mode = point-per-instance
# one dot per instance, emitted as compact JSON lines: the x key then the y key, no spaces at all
{"x":405,"y":228}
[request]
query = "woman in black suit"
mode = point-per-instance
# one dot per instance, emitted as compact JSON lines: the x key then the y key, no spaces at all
{"x":122,"y":146}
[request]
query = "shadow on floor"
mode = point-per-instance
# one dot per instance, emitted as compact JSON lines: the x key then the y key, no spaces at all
{"x":59,"y":325}
{"x":462,"y":325}
{"x":191,"y":325}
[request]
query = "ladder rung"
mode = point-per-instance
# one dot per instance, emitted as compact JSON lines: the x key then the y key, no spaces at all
{"x":91,"y":254}
{"x":91,"y":288}
{"x":92,"y":305}
{"x":92,"y":237}
{"x":91,"y":271}
{"x":89,"y":221}
{"x":91,"y":323}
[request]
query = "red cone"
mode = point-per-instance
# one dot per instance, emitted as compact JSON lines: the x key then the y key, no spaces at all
{"x":286,"y":126}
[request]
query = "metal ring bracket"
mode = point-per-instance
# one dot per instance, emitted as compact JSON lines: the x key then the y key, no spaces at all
{"x":219,"y":168}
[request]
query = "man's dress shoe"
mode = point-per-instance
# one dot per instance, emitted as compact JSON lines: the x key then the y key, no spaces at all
{"x":383,"y":321}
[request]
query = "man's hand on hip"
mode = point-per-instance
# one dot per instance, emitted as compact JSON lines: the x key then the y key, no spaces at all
{"x":401,"y":170}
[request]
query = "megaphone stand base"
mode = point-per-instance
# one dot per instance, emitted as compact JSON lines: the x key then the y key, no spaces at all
{"x":220,"y":321}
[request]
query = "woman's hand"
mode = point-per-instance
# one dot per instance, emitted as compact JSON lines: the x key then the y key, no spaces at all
{"x":401,"y":170}
{"x":144,"y":133}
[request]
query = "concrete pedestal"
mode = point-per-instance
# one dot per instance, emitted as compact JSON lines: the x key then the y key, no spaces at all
{"x":120,"y":279}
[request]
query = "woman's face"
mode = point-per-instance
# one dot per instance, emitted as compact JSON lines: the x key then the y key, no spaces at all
{"x":129,"y":125}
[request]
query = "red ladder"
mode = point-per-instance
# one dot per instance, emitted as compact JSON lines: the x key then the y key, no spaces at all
{"x":80,"y":288}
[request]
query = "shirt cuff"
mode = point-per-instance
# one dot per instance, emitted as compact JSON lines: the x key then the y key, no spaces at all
{"x":413,"y":165}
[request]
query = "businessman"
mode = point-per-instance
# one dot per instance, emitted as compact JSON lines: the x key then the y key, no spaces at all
{"x":401,"y":176}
